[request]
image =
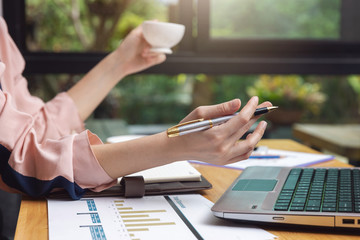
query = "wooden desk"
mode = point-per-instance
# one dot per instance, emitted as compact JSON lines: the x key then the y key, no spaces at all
{"x":32,"y":222}
{"x":342,"y":139}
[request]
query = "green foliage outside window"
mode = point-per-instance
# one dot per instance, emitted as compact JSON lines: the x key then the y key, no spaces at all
{"x":143,"y":99}
{"x":279,"y":19}
{"x":290,"y":92}
{"x":85,"y":25}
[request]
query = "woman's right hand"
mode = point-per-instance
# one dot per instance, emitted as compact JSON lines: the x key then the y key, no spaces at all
{"x":220,"y":145}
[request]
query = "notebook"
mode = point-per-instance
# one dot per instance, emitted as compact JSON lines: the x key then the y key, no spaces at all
{"x":324,"y":197}
{"x":172,"y":172}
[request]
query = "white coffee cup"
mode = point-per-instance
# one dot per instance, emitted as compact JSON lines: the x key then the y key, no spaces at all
{"x":162,"y":36}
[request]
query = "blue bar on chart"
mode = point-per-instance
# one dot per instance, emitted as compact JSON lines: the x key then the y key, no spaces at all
{"x":91,"y":204}
{"x":96,"y":231}
{"x":95,"y":218}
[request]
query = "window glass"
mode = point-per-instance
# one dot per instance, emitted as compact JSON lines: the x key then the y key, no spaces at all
{"x":166,"y":99}
{"x":89,"y":25}
{"x":99,"y":25}
{"x":275,"y":19}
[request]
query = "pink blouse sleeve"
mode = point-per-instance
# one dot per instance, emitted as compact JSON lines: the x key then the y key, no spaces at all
{"x":43,"y":146}
{"x":35,"y":167}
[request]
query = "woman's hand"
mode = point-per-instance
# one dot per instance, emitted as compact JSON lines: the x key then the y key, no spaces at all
{"x":135,"y":53}
{"x":220,"y":144}
{"x":131,"y":56}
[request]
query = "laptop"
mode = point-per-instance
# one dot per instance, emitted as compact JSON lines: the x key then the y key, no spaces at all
{"x":324,"y":197}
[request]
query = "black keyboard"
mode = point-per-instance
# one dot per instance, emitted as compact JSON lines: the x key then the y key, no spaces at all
{"x":320,"y":190}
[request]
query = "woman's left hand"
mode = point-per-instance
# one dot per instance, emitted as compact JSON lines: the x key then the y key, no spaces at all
{"x":134,"y":53}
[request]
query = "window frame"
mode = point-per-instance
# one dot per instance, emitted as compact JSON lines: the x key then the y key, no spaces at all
{"x":200,"y":54}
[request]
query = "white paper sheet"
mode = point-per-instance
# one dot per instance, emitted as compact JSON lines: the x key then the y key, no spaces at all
{"x":287,"y":159}
{"x":198,"y":210}
{"x":142,"y":218}
{"x":176,"y":171}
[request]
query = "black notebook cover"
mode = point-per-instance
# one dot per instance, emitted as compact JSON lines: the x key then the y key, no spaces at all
{"x":138,"y":188}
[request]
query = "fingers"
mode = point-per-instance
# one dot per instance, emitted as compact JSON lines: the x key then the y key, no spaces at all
{"x":158,"y":59}
{"x":214,"y":111}
{"x":243,"y":149}
{"x":153,"y":58}
{"x":136,"y":33}
{"x":237,"y":125}
{"x":240,"y":124}
{"x":220,"y":110}
{"x":150,"y":57}
{"x":220,"y":145}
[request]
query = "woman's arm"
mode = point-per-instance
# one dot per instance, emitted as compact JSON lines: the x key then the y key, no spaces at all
{"x":218,"y":145}
{"x":131,"y":56}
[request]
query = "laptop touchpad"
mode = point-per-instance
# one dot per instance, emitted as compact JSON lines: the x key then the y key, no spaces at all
{"x":255,"y":185}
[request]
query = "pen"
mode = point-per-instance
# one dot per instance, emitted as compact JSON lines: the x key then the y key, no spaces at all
{"x":202,"y":124}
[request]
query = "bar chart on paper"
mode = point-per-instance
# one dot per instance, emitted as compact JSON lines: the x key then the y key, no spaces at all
{"x":142,"y":222}
{"x":116,"y":218}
